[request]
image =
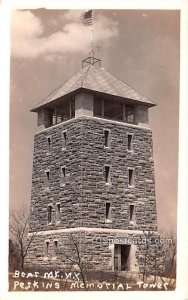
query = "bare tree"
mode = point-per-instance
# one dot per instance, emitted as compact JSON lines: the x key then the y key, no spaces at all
{"x":75,"y":258}
{"x":19,"y":229}
{"x":160,"y":258}
{"x":169,"y":262}
{"x":147,"y":257}
{"x":14,"y":258}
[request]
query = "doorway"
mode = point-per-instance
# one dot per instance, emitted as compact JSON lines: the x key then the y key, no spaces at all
{"x":122,"y":257}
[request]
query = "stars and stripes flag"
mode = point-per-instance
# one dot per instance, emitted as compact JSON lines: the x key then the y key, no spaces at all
{"x":87,"y":18}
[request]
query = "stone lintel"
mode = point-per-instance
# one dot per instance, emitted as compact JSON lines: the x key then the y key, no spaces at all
{"x":90,"y":229}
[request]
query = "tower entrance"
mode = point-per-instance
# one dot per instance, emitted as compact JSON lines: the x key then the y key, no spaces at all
{"x":122,"y":257}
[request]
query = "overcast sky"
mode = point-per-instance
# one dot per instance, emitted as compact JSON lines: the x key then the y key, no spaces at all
{"x":141,"y":47}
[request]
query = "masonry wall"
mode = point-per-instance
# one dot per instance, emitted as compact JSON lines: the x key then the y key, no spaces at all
{"x":83,"y":197}
{"x":45,"y":159}
{"x":96,"y":250}
{"x":95,"y":192}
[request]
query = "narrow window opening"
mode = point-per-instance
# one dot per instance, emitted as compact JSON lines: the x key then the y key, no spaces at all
{"x":47,"y":248}
{"x":107,"y":174}
{"x":130,"y":142}
{"x":55,"y":249}
{"x":64,"y":136}
{"x":108,"y":211}
{"x":106,"y":138}
{"x":131,"y":177}
{"x":48,"y":144}
{"x":63,"y":175}
{"x":49,"y":214}
{"x":58,"y":208}
{"x":132,"y":212}
{"x":47,"y":178}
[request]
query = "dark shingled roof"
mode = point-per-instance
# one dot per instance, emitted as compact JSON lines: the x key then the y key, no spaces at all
{"x":94,"y":79}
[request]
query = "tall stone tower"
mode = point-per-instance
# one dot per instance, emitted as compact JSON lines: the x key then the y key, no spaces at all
{"x":93,"y":171}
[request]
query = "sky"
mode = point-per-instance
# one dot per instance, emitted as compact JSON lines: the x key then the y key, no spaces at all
{"x":140,"y":47}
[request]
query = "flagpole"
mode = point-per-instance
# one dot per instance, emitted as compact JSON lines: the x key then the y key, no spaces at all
{"x":92,"y":51}
{"x":87,"y":20}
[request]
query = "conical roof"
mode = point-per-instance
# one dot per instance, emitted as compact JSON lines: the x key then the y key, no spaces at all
{"x":94,"y":79}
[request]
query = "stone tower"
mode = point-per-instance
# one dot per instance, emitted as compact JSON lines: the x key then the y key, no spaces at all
{"x":93,"y":171}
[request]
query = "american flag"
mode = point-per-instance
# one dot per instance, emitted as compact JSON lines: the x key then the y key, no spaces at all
{"x":87,"y":18}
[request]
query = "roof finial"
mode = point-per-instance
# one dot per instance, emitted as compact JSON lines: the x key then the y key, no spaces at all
{"x":91,"y":60}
